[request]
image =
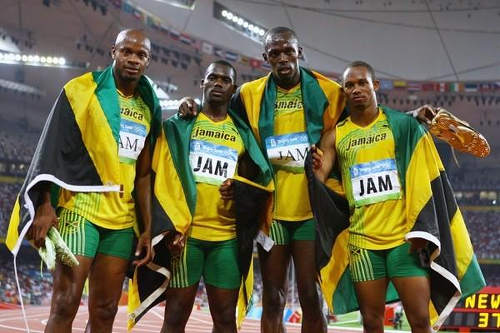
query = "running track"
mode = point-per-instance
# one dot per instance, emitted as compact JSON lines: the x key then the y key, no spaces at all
{"x":11,"y":321}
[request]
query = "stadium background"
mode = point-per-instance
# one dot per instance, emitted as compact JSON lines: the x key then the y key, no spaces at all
{"x":443,"y":53}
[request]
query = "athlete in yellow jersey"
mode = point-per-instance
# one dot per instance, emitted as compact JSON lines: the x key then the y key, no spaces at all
{"x":209,"y":249}
{"x":214,"y":219}
{"x":363,"y":146}
{"x":98,"y":227}
{"x":293,"y":230}
{"x":376,"y":202}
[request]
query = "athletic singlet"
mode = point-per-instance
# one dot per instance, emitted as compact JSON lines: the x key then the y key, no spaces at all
{"x":215,"y":148}
{"x":371,"y":181}
{"x":116,"y":210}
{"x":287,"y":150}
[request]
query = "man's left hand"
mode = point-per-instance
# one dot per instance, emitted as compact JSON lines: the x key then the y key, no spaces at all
{"x":317,"y":157}
{"x":425,"y":113}
{"x":144,"y":246}
{"x":226,"y":190}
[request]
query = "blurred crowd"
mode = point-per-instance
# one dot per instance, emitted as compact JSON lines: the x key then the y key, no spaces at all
{"x":36,"y":285}
{"x":484,"y":231}
{"x":475,"y":179}
{"x":19,"y":147}
{"x":18,"y":139}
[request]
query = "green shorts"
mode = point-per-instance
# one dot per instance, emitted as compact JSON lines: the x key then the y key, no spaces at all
{"x":368,"y":265}
{"x":84,"y":238}
{"x":282,"y":232}
{"x":217,"y":262}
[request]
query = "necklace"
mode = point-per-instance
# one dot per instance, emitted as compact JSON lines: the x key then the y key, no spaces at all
{"x":123,"y":95}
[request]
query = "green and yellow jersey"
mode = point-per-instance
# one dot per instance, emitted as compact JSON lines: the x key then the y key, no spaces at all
{"x":372,"y":184}
{"x":287,"y":150}
{"x":116,"y":210}
{"x":215,"y":148}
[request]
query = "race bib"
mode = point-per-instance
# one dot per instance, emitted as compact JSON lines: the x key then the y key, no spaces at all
{"x":375,"y":182}
{"x":211,"y":163}
{"x":288,"y":151}
{"x":132,"y":138}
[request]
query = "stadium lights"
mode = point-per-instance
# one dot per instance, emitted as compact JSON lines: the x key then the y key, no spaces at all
{"x":242,"y":22}
{"x":239,"y":23}
{"x":37,"y":60}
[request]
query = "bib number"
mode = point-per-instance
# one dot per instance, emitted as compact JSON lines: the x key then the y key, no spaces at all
{"x":132,"y":139}
{"x":288,"y":151}
{"x":375,"y":182}
{"x":211,"y":163}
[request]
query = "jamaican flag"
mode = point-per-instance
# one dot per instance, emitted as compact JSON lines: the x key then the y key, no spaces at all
{"x":78,"y":147}
{"x":432,"y":213}
{"x":174,"y":202}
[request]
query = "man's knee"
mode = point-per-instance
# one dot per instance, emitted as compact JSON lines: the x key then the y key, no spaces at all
{"x":274,"y":300}
{"x":373,"y":321}
{"x":309,"y":298}
{"x":419,"y":320}
{"x":64,"y":306}
{"x":225,"y":317}
{"x":176,"y":315}
{"x":105,"y":311}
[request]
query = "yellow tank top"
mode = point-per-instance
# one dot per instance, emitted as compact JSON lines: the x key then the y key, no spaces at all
{"x":371,"y":181}
{"x":287,"y":150}
{"x":215,"y":148}
{"x":115,"y":210}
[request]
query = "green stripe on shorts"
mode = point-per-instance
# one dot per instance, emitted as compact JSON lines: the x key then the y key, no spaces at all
{"x":360,"y":264}
{"x":179,"y":271}
{"x":72,"y":230}
{"x":278,"y":233}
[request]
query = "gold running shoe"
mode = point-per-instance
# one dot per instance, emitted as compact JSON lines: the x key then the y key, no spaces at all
{"x":459,"y":134}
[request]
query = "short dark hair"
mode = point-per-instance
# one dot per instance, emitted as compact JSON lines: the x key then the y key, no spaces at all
{"x":224,"y":63}
{"x":279,"y":30}
{"x":359,"y":63}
